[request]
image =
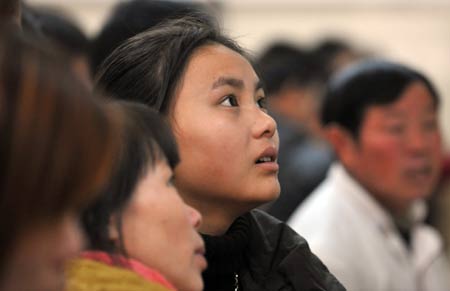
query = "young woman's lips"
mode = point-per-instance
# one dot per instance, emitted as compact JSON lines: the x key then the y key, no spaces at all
{"x":267,"y":159}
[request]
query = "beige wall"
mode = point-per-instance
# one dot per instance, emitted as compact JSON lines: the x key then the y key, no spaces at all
{"x":417,"y":35}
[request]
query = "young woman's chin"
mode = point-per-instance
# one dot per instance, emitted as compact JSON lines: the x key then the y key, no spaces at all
{"x":262,"y":195}
{"x":270,"y":191}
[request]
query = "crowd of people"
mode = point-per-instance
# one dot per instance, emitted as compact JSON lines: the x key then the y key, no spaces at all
{"x":160,"y":155}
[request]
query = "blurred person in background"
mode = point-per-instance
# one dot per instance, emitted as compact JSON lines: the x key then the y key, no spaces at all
{"x":335,"y":54}
{"x":201,"y":81}
{"x":439,"y":216}
{"x":366,"y":220}
{"x":56,"y":147}
{"x":293,"y":80}
{"x":63,"y":33}
{"x":141,"y":234}
{"x":10,"y":12}
{"x":132,"y":17}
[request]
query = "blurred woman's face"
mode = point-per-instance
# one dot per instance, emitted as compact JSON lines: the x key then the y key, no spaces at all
{"x":228,"y":143}
{"x":159,"y":230}
{"x":40,"y":254}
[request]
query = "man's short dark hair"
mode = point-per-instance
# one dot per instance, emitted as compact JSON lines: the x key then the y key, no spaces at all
{"x":352,"y":91}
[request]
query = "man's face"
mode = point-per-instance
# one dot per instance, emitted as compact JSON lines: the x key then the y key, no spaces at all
{"x":398,"y":152}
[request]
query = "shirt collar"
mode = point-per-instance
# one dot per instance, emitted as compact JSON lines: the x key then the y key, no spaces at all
{"x":367,"y":204}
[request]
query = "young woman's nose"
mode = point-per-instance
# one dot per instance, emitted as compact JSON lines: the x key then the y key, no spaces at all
{"x":195,"y":218}
{"x":263,"y":125}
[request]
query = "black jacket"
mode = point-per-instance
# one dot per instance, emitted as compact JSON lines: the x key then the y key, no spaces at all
{"x":267,"y":255}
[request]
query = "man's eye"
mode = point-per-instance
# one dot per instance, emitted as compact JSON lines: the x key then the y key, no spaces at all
{"x":230,"y":100}
{"x":396,"y":129}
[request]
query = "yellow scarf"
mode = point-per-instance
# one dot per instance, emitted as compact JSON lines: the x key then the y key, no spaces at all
{"x":89,"y":275}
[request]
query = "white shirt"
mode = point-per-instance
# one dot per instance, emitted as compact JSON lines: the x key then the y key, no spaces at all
{"x":358,"y":241}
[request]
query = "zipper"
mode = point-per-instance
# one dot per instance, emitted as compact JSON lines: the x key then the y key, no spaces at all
{"x":236,"y":282}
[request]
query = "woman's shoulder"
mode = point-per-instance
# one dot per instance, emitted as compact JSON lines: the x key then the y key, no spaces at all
{"x":277,"y":250}
{"x":86,"y":274}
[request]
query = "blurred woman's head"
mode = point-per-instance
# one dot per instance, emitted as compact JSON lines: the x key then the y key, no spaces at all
{"x":140,"y":214}
{"x":10,"y":12}
{"x":56,"y":144}
{"x":216,"y":106}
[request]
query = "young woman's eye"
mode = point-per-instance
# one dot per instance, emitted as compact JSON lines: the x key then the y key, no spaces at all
{"x":230,"y":100}
{"x":262,"y":103}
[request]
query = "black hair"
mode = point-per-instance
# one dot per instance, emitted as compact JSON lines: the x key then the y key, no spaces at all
{"x":57,"y":140}
{"x":283,"y":63}
{"x":56,"y":28}
{"x":130,"y":18}
{"x":9,"y":9}
{"x":376,"y":82}
{"x":146,"y":140}
{"x":329,"y":49}
{"x":147,"y":67}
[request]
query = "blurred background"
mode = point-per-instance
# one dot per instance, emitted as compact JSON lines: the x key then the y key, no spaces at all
{"x":415,"y":32}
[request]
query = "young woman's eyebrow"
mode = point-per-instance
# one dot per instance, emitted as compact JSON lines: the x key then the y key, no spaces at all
{"x":234,"y":82}
{"x":228,"y":81}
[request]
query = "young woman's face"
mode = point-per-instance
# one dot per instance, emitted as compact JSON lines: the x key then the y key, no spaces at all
{"x":159,"y":230}
{"x":40,"y":255}
{"x":228,"y":143}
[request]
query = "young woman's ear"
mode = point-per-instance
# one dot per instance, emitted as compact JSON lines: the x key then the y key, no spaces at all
{"x":343,"y":143}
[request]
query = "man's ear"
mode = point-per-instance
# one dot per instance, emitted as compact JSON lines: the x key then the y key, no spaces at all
{"x":343,"y":142}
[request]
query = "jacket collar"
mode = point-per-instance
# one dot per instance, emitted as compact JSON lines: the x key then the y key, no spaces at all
{"x":278,"y":257}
